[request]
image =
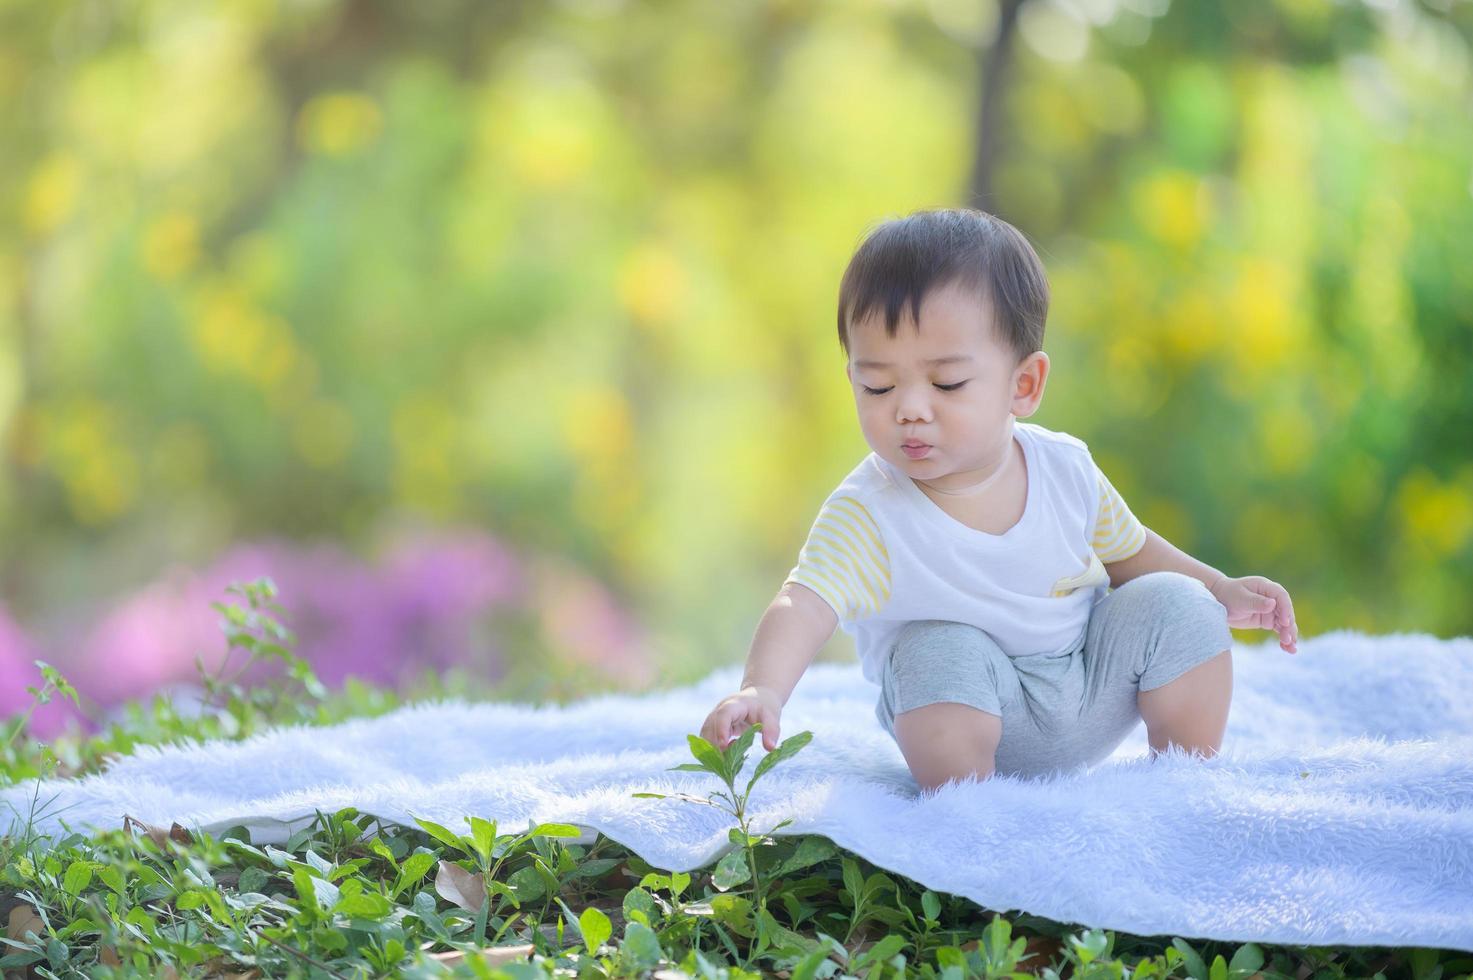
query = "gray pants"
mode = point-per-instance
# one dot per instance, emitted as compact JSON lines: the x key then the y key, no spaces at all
{"x":1061,"y":711}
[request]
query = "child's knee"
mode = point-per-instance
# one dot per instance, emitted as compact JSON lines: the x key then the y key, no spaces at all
{"x":947,"y":740}
{"x":1180,"y":601}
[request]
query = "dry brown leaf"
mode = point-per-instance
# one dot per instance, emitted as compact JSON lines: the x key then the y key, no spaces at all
{"x":108,"y":956}
{"x":1044,"y":949}
{"x":23,"y":917}
{"x":130,"y":824}
{"x":221,"y":968}
{"x":495,"y":955}
{"x":464,"y":888}
{"x":158,"y":835}
{"x":492,"y":955}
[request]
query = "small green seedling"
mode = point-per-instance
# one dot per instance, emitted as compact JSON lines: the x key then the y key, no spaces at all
{"x":732,"y":870}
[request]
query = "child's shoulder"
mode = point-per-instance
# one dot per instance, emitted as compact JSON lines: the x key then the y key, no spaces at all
{"x":869,"y":480}
{"x":1054,"y":438}
{"x":870,"y":476}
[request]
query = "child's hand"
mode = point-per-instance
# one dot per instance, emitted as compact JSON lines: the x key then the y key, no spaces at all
{"x":1254,"y":602}
{"x":734,"y":715}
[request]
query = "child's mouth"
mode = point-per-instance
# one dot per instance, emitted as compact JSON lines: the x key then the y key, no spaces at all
{"x":916,"y":452}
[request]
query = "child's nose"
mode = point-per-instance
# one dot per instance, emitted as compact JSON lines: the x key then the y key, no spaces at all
{"x":913,"y":410}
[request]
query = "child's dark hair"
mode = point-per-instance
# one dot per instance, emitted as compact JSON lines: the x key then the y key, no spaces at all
{"x":903,"y":259}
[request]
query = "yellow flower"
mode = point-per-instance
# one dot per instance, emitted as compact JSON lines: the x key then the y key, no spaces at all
{"x":338,"y":123}
{"x":1438,"y":515}
{"x":597,"y":424}
{"x":51,"y":193}
{"x":651,"y":284}
{"x":1173,"y":207}
{"x":171,"y":245}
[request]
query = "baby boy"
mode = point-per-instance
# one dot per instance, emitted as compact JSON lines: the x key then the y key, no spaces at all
{"x":1014,"y":613}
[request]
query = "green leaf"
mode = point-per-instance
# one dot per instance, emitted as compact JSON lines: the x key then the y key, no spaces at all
{"x":483,"y":836}
{"x":740,"y":839}
{"x":785,"y":750}
{"x":319,"y":864}
{"x":557,"y":830}
{"x":710,"y":759}
{"x":1088,"y":947}
{"x":638,"y":900}
{"x":640,"y":949}
{"x":1195,"y":967}
{"x":415,"y":867}
{"x":324,"y":892}
{"x":526,"y":885}
{"x":735,"y":755}
{"x":252,"y":880}
{"x":732,"y":870}
{"x":879,"y":952}
{"x":789,"y":942}
{"x":734,"y":912}
{"x":812,"y":849}
{"x":853,"y":882}
{"x":192,"y":899}
{"x":364,"y":905}
{"x":807,"y":968}
{"x":25,"y":958}
{"x":1219,"y":968}
{"x":58,"y":681}
{"x":1247,"y":959}
{"x":113,"y":878}
{"x":78,"y":876}
{"x":139,"y":919}
{"x":595,"y":927}
{"x":931,"y":905}
{"x":442,"y":834}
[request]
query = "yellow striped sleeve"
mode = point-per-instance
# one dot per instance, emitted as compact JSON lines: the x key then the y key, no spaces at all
{"x":1118,"y":534}
{"x":844,"y":560}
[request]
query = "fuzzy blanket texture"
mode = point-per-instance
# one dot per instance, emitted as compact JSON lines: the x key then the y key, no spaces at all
{"x":1339,"y":812}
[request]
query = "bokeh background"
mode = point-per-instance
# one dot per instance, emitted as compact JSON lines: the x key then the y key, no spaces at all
{"x":501,"y":335}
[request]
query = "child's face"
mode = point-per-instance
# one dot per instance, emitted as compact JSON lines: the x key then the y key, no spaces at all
{"x":968,"y":428}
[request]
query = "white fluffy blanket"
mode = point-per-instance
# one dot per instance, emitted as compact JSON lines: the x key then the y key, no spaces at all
{"x":1340,"y":810}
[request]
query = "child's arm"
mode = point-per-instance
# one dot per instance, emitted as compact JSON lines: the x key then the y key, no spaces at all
{"x":794,"y":628}
{"x":796,"y":625}
{"x":1252,"y":602}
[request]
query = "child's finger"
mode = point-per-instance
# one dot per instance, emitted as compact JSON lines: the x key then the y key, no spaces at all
{"x":1285,"y":619}
{"x":769,"y":730}
{"x":730,"y":726}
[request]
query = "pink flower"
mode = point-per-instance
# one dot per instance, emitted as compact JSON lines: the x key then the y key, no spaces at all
{"x":426,"y":604}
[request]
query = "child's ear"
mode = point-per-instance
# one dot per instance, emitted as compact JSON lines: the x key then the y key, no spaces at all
{"x":1030,"y":384}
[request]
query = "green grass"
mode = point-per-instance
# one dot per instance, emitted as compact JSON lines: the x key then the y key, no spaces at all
{"x":353,"y":896}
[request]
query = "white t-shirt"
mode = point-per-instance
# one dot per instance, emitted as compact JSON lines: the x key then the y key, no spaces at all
{"x":882,"y":554}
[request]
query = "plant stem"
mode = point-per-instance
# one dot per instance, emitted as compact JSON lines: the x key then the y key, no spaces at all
{"x":301,"y":955}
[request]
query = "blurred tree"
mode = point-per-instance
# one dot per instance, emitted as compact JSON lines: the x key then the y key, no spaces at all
{"x":568,"y":272}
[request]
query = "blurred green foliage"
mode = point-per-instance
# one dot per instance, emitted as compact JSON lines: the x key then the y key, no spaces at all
{"x":567,"y":271}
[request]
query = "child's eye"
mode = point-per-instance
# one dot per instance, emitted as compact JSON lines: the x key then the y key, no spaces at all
{"x":880,"y":391}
